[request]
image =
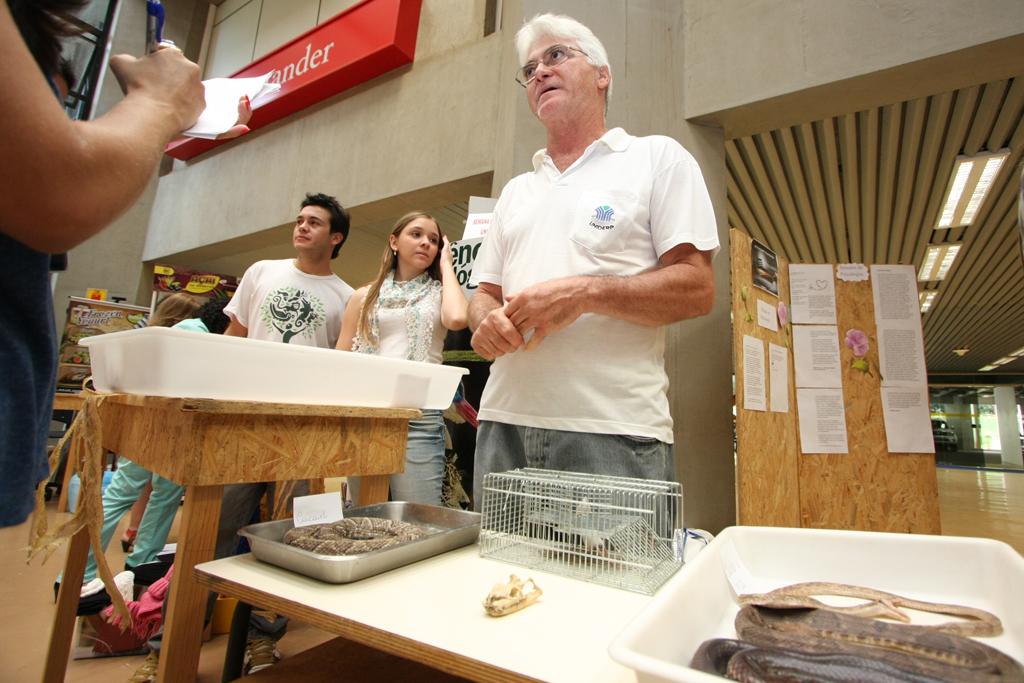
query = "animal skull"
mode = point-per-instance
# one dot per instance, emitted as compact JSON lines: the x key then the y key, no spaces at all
{"x":506,"y":598}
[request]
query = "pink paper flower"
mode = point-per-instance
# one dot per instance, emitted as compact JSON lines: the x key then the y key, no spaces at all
{"x":857,"y":342}
{"x":783,"y":313}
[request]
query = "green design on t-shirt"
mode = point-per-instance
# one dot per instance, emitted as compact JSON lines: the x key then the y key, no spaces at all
{"x":292,"y":312}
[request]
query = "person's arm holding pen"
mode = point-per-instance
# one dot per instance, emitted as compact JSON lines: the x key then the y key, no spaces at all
{"x":155,"y":17}
{"x":91,"y":171}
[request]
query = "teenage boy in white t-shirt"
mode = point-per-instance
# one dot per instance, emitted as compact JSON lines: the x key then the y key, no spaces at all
{"x":588,"y":257}
{"x":295,"y":301}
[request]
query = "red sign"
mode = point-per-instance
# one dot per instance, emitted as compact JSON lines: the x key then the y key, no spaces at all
{"x":355,"y":46}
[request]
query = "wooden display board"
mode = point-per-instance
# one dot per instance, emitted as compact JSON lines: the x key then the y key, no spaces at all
{"x":868,"y":488}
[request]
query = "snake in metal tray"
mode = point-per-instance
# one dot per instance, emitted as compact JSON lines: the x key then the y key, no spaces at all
{"x":353,"y":535}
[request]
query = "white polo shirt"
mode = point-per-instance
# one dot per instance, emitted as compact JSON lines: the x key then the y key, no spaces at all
{"x":615,"y":211}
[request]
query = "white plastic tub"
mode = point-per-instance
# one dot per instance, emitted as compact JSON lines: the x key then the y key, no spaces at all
{"x":158,"y":361}
{"x":699,"y":603}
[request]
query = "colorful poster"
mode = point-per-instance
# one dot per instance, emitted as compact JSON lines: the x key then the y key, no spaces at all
{"x":86,"y":318}
{"x":173,"y":279}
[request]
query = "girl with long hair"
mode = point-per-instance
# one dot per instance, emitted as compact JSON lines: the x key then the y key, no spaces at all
{"x":406,"y":313}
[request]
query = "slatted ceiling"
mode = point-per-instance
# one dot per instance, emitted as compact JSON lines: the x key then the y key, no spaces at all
{"x":767,"y":195}
{"x":1009,"y":113}
{"x":740,"y":212}
{"x":801,"y":195}
{"x":742,"y":192}
{"x":851,"y":187}
{"x":867,"y":187}
{"x":888,"y":154}
{"x":814,"y":195}
{"x":763,"y":196}
{"x":869,"y":122}
{"x":910,"y":145}
{"x":991,"y":241}
{"x":984,"y":118}
{"x":785,"y":188}
{"x":917,"y":237}
{"x":826,"y":132}
{"x":968,"y":306}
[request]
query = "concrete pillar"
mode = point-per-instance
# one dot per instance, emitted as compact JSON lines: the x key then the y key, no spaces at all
{"x":644,"y":41}
{"x":1009,"y":426}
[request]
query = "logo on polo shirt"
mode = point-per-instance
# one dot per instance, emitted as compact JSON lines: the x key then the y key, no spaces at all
{"x":603,"y":218}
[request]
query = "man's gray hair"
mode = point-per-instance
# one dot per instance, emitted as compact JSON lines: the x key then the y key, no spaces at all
{"x":560,"y":26}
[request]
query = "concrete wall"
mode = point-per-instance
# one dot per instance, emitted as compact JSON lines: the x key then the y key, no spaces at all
{"x":744,"y":51}
{"x":403,"y":131}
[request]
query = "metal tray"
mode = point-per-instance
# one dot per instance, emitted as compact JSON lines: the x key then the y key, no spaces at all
{"x":447,"y":529}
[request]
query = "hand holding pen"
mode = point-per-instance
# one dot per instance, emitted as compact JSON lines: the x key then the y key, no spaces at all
{"x":155,"y":26}
{"x":167,"y":79}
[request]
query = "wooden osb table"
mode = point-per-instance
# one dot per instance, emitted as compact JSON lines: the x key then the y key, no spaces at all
{"x":204,"y":444}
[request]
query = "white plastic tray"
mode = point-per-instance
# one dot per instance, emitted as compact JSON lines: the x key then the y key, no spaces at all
{"x":158,"y":361}
{"x":699,"y":603}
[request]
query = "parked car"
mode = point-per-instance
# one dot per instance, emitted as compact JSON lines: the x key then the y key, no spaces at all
{"x":945,"y":438}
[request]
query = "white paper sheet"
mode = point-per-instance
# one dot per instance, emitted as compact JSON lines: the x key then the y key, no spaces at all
{"x":478,"y":220}
{"x":901,"y":353}
{"x":895,"y":296}
{"x":898,"y":320}
{"x":477,"y":225}
{"x":812,"y":291}
{"x":905,"y":402}
{"x":321,"y":508}
{"x":822,"y":421}
{"x":753,"y":373}
{"x":907,"y":415}
{"x":222,"y":96}
{"x":766,"y":316}
{"x":816,"y":356}
{"x":778,"y":378}
{"x":852,"y":272}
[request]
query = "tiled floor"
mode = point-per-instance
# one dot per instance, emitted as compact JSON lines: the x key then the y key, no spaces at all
{"x":982,"y":503}
{"x":973,"y":503}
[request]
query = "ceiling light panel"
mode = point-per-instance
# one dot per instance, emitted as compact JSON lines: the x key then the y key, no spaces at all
{"x":937,"y":261}
{"x":927,"y":298}
{"x":969,"y":183}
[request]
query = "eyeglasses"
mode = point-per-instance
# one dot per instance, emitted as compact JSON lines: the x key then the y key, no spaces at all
{"x":553,"y":56}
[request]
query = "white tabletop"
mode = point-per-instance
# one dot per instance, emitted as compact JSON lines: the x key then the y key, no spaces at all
{"x":438,"y":603}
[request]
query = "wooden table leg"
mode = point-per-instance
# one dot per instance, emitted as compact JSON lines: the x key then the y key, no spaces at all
{"x":67,"y":608}
{"x":179,"y":651}
{"x":373,"y":489}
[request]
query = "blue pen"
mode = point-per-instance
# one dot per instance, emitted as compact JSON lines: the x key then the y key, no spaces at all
{"x":154,"y":24}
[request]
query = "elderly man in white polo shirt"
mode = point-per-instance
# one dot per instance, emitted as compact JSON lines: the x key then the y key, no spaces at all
{"x":589,"y":256}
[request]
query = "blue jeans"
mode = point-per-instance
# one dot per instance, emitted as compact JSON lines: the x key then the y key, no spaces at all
{"x":424,"y":463}
{"x":501,"y":447}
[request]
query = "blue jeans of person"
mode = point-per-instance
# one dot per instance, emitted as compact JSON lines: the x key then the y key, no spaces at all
{"x":424,"y":463}
{"x":237,"y":509}
{"x":124,"y":489}
{"x":501,"y":447}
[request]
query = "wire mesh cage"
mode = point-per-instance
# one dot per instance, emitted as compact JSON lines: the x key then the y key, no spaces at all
{"x":615,"y":531}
